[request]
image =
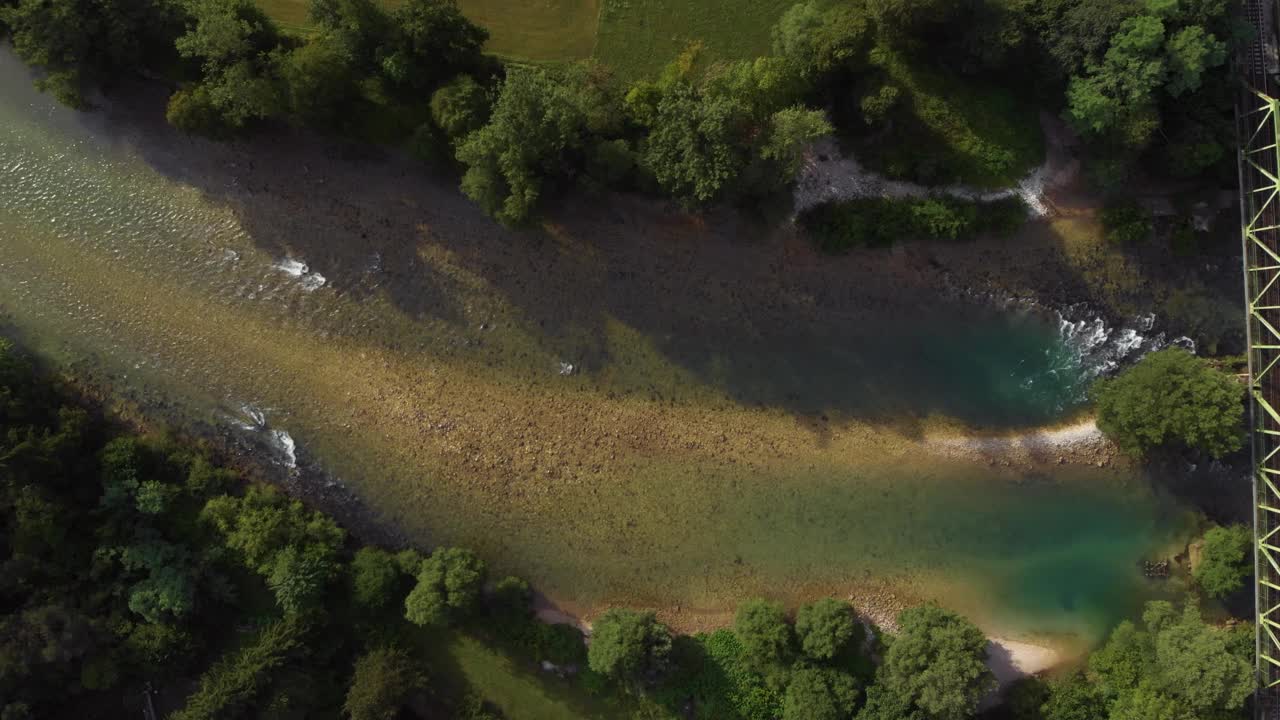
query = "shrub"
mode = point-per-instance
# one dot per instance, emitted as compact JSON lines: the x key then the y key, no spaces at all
{"x":940,"y":219}
{"x":381,"y":684}
{"x":230,"y":686}
{"x":628,"y":645}
{"x":1225,"y":561}
{"x":712,"y":671}
{"x":375,"y":577}
{"x":460,"y":107}
{"x":448,"y":587}
{"x":935,"y":667}
{"x":1126,"y":222}
{"x":877,"y":105}
{"x":511,"y":598}
{"x":761,"y":627}
{"x":839,"y":226}
{"x":820,"y":694}
{"x":560,"y":643}
{"x":826,"y":628}
{"x":1169,"y":398}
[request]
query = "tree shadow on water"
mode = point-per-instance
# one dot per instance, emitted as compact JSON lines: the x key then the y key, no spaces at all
{"x":633,"y":292}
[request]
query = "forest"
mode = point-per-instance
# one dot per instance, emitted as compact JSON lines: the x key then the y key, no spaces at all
{"x":141,"y":573}
{"x":1139,"y":81}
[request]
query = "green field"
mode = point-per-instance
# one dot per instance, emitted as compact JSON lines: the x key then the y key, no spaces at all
{"x":540,"y":30}
{"x":523,"y":693}
{"x":635,"y":37}
{"x":638,"y":37}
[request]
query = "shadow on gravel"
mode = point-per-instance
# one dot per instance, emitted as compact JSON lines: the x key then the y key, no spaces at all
{"x":749,"y":311}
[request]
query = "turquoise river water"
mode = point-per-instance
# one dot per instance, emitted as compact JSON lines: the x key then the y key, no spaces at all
{"x":656,"y":456}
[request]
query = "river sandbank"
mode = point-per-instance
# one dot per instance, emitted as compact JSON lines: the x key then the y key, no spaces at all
{"x":1077,"y":442}
{"x":1009,"y":660}
{"x":627,"y":405}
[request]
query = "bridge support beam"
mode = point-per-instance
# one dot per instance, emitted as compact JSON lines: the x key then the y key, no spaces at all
{"x":1259,"y":129}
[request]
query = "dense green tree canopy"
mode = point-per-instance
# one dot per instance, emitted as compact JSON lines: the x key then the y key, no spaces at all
{"x":293,"y":548}
{"x":1073,"y":698}
{"x":320,"y":81}
{"x":375,"y":578}
{"x":819,"y":40}
{"x":791,"y":132}
{"x":383,"y":681}
{"x":826,"y":628}
{"x":1117,"y":97}
{"x":1170,"y":398}
{"x":460,"y":107}
{"x":536,"y":122}
{"x":81,"y":43}
{"x":432,"y":42}
{"x":448,"y":587}
{"x":763,"y":630}
{"x":693,"y":148}
{"x":1226,"y":560}
{"x":234,"y":42}
{"x":1174,"y":664}
{"x":935,"y":668}
{"x":628,"y":645}
{"x":819,"y":693}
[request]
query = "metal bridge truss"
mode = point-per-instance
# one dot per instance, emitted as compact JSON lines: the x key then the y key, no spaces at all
{"x":1260,"y":210}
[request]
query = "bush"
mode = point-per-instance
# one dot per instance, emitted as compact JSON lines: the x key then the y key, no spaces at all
{"x":231,"y":685}
{"x":1212,"y":322}
{"x":826,"y":628}
{"x":628,"y":645}
{"x":381,"y":684}
{"x":511,"y":598}
{"x":935,"y":668}
{"x":877,"y":105}
{"x":761,"y":627}
{"x":712,"y":672}
{"x":460,"y":107}
{"x":448,"y":587}
{"x":1226,"y":560}
{"x":192,"y":110}
{"x":1170,"y":398}
{"x":560,"y":644}
{"x":375,"y":578}
{"x":1126,"y":222}
{"x":820,"y":694}
{"x":839,"y":226}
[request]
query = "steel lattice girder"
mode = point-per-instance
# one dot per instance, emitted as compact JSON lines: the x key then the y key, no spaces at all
{"x":1260,"y":214}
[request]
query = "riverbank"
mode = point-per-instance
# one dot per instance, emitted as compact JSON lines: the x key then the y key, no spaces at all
{"x":1009,"y":660}
{"x":628,"y":405}
{"x":1078,"y":442}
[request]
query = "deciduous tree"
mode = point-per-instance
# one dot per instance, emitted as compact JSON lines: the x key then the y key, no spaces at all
{"x":1225,"y":560}
{"x":628,"y":645}
{"x":1172,"y":398}
{"x":935,"y":668}
{"x":762,"y":628}
{"x":383,"y":680}
{"x":820,"y":693}
{"x":448,"y":587}
{"x":826,"y":628}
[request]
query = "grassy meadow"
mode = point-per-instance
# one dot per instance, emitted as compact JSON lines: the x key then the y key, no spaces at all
{"x":541,"y":30}
{"x":638,"y":37}
{"x":977,"y":133}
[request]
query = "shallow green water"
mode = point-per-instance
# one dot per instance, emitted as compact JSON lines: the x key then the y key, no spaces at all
{"x":144,"y":284}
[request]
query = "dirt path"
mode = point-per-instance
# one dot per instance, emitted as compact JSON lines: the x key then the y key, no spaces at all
{"x":828,"y":175}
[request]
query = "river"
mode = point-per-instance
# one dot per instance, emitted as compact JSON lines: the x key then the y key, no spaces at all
{"x":621,"y":415}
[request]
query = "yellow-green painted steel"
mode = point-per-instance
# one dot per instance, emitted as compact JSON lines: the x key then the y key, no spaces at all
{"x":1260,"y":208}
